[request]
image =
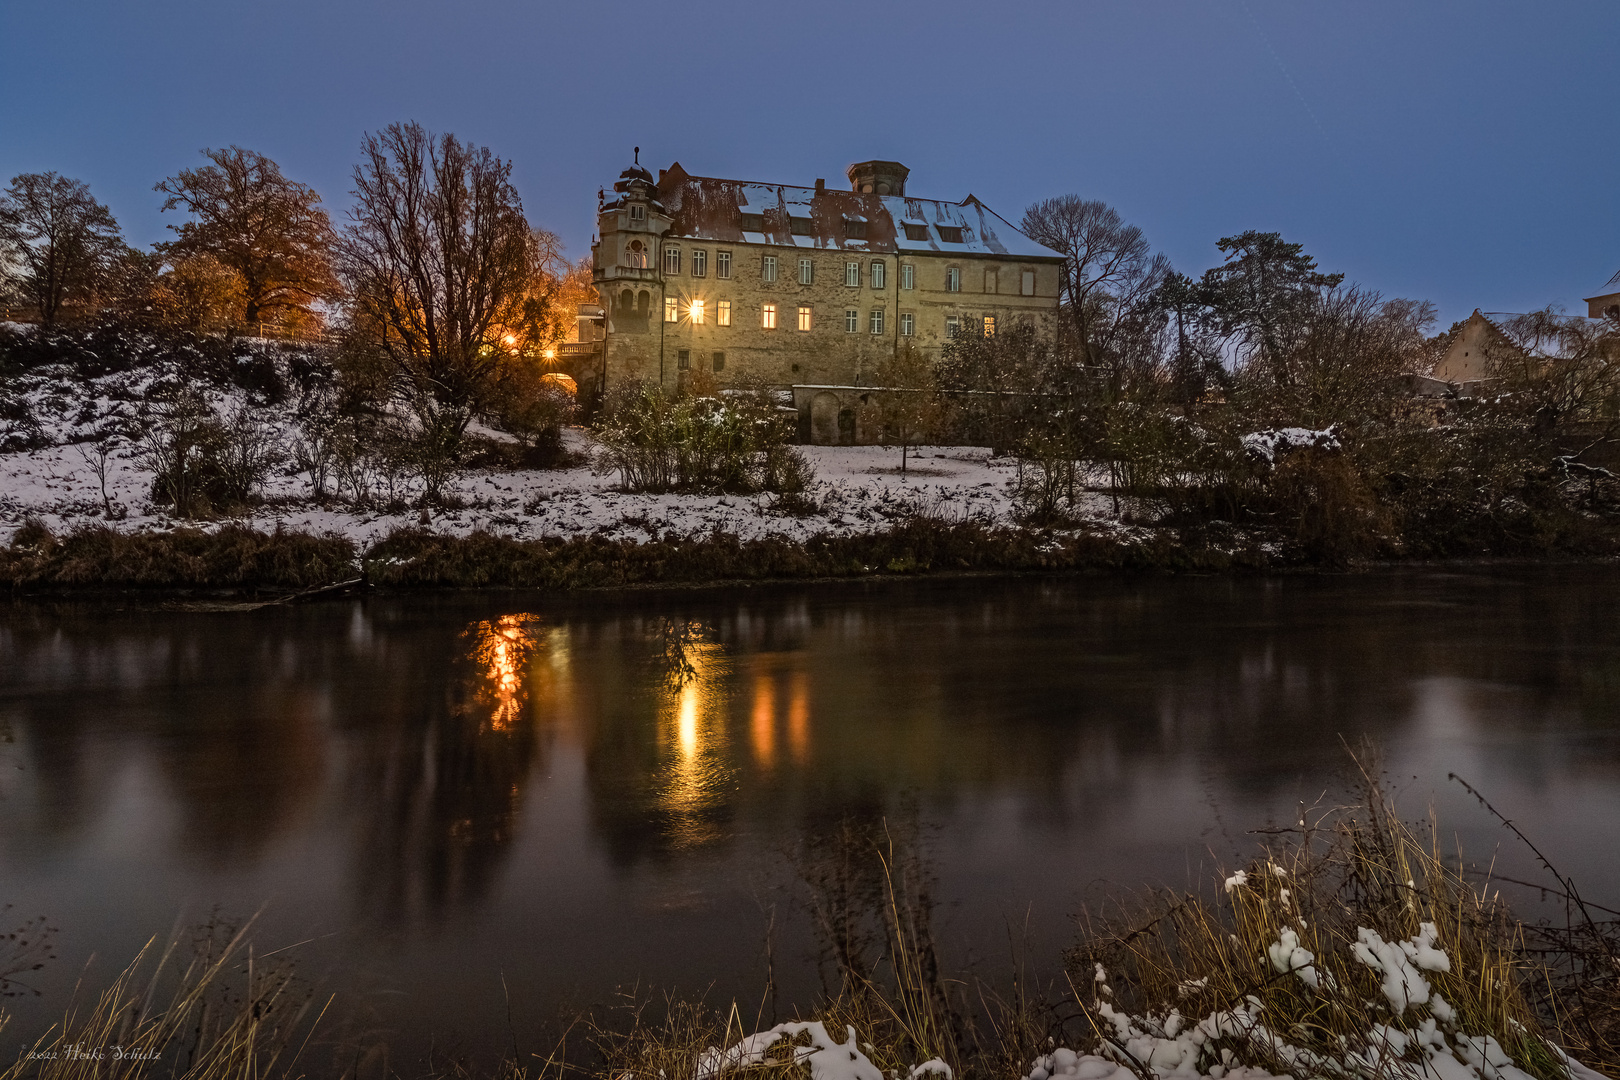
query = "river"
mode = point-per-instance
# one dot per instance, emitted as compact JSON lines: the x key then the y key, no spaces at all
{"x":465,"y":807}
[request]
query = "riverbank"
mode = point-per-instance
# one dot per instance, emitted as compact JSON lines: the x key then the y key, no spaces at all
{"x":239,"y":558}
{"x":235,"y":559}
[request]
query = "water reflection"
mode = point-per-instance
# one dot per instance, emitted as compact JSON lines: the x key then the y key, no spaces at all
{"x":531,"y":772}
{"x":698,"y":774}
{"x":501,"y":650}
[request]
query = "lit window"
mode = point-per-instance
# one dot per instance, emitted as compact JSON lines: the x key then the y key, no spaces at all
{"x":877,"y":321}
{"x":696,"y":310}
{"x":768,"y":268}
{"x":719,"y":361}
{"x":992,"y":281}
{"x":952,"y":325}
{"x":672,"y":309}
{"x":722,"y":264}
{"x":852,"y":273}
{"x":638,"y":213}
{"x":722,"y":313}
{"x":852,"y":320}
{"x":878,"y":274}
{"x":989,"y":326}
{"x":804,"y":318}
{"x":953,"y":280}
{"x":700,"y":263}
{"x":807,"y":271}
{"x":1027,"y":287}
{"x":908,"y":324}
{"x":672,"y":260}
{"x":767,"y":317}
{"x":908,"y":276}
{"x":683,"y":359}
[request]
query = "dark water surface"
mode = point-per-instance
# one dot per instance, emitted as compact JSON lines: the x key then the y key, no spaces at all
{"x":444,"y":791}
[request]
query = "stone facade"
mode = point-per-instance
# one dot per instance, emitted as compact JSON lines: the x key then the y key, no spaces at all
{"x":1607,"y":299}
{"x":801,"y":285}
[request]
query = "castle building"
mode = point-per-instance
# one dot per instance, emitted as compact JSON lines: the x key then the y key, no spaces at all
{"x":801,"y":285}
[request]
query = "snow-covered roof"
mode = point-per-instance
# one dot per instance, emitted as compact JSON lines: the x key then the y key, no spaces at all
{"x":1610,"y":288}
{"x":741,"y":211}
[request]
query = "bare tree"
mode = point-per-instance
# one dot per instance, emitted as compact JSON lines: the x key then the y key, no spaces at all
{"x":270,"y":230}
{"x":1342,"y":362}
{"x":909,"y":407}
{"x":1109,"y":269}
{"x":441,"y":266}
{"x":1563,"y":374}
{"x":57,"y":244}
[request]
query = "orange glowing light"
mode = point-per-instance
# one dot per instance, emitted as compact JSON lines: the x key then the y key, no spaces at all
{"x":509,"y":340}
{"x":501,"y":650}
{"x":697,"y":311}
{"x":799,"y":717}
{"x":763,"y":726}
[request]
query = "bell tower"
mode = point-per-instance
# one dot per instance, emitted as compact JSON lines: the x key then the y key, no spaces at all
{"x":878,"y":178}
{"x":627,"y":275}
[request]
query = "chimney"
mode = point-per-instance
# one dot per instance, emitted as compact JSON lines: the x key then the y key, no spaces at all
{"x":878,"y":178}
{"x":821,"y":186}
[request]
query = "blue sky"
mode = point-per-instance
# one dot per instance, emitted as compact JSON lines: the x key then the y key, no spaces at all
{"x":1464,"y":153}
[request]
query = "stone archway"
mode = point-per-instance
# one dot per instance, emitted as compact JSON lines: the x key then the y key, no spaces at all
{"x":824,"y":419}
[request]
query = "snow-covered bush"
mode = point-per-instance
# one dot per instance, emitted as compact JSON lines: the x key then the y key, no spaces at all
{"x":729,"y":442}
{"x":1350,"y":950}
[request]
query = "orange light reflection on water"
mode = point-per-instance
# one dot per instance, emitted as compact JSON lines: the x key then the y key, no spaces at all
{"x":697,"y":776}
{"x":799,"y":717}
{"x":501,"y":649}
{"x":762,"y":725}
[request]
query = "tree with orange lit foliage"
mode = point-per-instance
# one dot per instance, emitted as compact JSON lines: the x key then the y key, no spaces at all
{"x":269,"y":230}
{"x":447,"y":280}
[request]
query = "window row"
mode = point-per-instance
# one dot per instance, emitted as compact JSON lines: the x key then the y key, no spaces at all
{"x":876,"y":272}
{"x":854,"y":228}
{"x":683,"y":360}
{"x":699,"y":311}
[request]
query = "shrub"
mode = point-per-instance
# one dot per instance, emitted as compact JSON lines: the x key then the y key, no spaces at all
{"x":736,"y":441}
{"x":1350,"y":948}
{"x":201,"y":464}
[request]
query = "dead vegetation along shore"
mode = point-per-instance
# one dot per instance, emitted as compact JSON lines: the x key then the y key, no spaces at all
{"x":1311,"y":935}
{"x":242,"y":559}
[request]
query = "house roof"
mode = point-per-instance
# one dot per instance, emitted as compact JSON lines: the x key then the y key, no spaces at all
{"x":1610,"y":288}
{"x":742,"y":211}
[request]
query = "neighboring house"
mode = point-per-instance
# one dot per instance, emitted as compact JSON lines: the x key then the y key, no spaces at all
{"x":1467,"y":359}
{"x":1606,"y":300}
{"x":801,"y":285}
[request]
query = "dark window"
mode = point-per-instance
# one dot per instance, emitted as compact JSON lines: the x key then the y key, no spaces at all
{"x":855,"y":230}
{"x":719,"y":361}
{"x":683,"y":359}
{"x":916,"y":232}
{"x":799,"y":226}
{"x":951,"y":234}
{"x":753,"y":222}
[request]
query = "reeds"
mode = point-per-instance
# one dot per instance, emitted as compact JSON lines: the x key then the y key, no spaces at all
{"x":224,"y":1013}
{"x":1330,"y":944}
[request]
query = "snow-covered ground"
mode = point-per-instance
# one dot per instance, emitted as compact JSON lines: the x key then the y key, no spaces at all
{"x":856,"y":489}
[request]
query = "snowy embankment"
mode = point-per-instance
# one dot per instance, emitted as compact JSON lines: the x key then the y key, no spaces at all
{"x":53,"y":417}
{"x":1421,"y":1036}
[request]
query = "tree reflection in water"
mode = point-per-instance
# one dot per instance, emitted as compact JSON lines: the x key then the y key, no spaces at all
{"x":501,"y":649}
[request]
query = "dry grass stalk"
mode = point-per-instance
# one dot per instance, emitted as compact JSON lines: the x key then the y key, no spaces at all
{"x":1285,"y":933}
{"x":225,"y":1015}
